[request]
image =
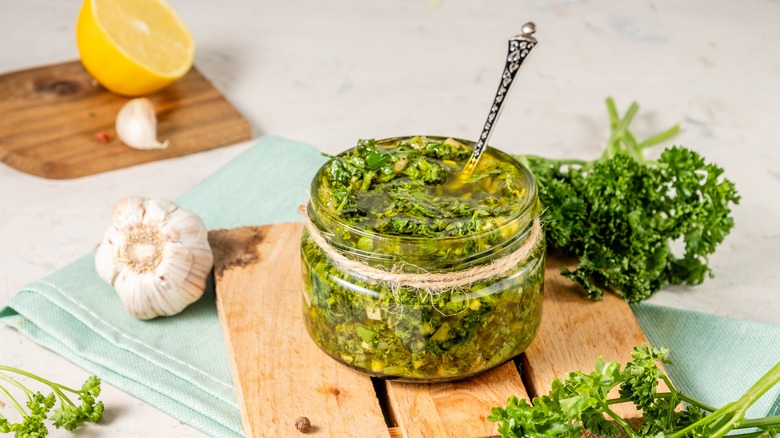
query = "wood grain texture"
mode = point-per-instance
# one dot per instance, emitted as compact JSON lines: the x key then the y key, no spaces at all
{"x":280,"y":374}
{"x":50,"y":117}
{"x":455,"y":409}
{"x":575,"y":331}
{"x":278,"y":371}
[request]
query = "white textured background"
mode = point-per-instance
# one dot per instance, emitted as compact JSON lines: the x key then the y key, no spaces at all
{"x":330,"y":72}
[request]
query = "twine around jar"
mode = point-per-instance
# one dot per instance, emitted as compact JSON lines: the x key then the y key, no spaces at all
{"x":430,"y":282}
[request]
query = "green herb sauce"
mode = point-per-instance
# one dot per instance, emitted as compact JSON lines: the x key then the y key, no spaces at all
{"x":404,"y":201}
{"x":414,"y":187}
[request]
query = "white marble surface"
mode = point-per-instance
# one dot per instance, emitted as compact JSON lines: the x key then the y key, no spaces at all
{"x":330,"y":72}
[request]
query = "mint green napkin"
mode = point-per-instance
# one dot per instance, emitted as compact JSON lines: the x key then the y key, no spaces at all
{"x":180,"y":364}
{"x":177,"y":364}
{"x":714,"y":359}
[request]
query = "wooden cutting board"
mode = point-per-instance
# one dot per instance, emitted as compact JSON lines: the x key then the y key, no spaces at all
{"x":280,"y":374}
{"x":51,"y":119}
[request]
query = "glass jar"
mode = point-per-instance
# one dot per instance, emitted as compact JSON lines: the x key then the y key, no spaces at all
{"x":401,"y":332}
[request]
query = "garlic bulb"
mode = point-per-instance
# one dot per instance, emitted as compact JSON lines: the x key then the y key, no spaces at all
{"x":156,"y":255}
{"x":136,"y":125}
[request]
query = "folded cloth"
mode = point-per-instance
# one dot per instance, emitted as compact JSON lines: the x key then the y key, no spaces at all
{"x":74,"y":313}
{"x":178,"y":364}
{"x":714,"y":359}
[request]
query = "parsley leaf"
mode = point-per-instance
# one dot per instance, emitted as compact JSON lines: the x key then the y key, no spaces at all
{"x":67,"y":414}
{"x":622,"y":213}
{"x":580,"y":403}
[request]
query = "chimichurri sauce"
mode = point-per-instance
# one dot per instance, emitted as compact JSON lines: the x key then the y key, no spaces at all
{"x":415,"y":187}
{"x":405,"y":206}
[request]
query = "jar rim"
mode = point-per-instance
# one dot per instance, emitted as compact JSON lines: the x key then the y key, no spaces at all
{"x":528,"y":199}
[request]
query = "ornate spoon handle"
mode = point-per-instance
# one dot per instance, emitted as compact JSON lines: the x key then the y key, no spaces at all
{"x":519,"y":48}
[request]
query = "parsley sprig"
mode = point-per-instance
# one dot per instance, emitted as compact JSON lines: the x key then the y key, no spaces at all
{"x":623,"y":213}
{"x":57,"y":406}
{"x":580,"y":403}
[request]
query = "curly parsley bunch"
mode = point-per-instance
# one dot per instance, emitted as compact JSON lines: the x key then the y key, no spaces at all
{"x":580,"y":403}
{"x":621,"y":213}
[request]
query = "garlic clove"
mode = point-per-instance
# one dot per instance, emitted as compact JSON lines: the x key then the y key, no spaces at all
{"x":186,"y":267}
{"x":136,"y":125}
{"x":175,"y":266}
{"x":157,"y":211}
{"x":104,"y":264}
{"x":156,"y":255}
{"x":177,"y":228}
{"x":128,"y":212}
{"x":138,"y":293}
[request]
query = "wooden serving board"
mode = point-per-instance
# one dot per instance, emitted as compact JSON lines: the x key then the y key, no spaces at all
{"x":280,"y":374}
{"x":51,"y":120}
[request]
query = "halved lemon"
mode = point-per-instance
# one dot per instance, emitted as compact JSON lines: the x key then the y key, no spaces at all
{"x":133,"y":47}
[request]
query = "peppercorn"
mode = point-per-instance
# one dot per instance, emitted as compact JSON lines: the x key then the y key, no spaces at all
{"x":303,"y":424}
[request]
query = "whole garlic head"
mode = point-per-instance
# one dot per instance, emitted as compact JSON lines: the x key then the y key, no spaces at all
{"x":156,"y":255}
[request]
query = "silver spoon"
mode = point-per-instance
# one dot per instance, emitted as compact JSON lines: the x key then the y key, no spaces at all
{"x":519,"y":48}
